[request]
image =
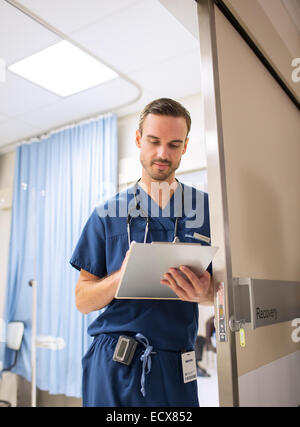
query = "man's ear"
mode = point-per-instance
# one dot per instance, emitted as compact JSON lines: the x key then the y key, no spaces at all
{"x":138,"y":137}
{"x":185,"y":145}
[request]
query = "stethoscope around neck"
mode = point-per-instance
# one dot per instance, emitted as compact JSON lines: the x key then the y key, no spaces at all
{"x":147,"y":218}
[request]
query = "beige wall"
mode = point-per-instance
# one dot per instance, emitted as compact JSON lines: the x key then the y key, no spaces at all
{"x":261,"y":129}
{"x":274,"y":32}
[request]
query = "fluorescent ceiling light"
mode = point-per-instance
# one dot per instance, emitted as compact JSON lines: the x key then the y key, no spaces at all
{"x":63,"y":69}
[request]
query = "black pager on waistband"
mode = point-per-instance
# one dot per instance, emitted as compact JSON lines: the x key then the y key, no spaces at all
{"x":125,"y":349}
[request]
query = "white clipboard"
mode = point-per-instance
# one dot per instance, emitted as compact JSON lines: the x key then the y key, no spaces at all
{"x":147,"y":262}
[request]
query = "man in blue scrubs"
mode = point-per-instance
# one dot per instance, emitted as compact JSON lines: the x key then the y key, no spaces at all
{"x":163,"y":329}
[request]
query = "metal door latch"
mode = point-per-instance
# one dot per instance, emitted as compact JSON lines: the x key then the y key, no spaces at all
{"x":235,"y":325}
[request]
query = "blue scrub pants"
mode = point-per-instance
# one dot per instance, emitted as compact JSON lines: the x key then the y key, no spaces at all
{"x":109,"y":383}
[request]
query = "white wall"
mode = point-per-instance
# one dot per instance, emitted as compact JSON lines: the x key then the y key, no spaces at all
{"x":194,"y":158}
{"x":8,"y":384}
{"x":6,"y":182}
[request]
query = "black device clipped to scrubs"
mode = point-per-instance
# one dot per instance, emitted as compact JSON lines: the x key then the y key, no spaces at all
{"x":125,"y":350}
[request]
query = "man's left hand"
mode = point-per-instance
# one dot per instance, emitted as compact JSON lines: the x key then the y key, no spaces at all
{"x":188,"y":286}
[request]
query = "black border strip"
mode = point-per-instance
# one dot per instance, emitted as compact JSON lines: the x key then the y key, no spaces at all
{"x":231,"y":18}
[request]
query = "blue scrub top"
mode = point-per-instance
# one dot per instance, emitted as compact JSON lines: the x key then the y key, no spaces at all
{"x":168,"y":324}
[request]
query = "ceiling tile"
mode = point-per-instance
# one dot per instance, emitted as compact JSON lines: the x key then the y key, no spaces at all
{"x":70,"y":15}
{"x":185,"y":12}
{"x":14,"y":130}
{"x":138,"y":106}
{"x":18,"y":95}
{"x":98,"y":100}
{"x":20,"y":36}
{"x":177,"y":77}
{"x":142,"y":36}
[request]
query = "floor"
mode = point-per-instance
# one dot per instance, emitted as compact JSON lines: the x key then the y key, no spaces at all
{"x":208,"y":386}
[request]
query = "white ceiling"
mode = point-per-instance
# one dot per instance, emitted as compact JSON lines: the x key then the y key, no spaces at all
{"x":154,"y":54}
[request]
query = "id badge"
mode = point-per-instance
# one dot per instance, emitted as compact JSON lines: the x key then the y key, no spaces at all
{"x":189,"y":367}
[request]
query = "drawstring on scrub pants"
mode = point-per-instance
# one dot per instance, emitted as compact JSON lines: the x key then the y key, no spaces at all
{"x":146,"y":359}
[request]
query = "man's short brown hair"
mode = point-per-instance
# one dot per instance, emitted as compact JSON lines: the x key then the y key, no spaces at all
{"x":165,"y":107}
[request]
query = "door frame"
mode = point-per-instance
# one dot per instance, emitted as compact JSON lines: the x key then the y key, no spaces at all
{"x":217,"y":190}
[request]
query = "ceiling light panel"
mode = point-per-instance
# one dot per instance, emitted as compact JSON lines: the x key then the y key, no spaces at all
{"x":63,"y":69}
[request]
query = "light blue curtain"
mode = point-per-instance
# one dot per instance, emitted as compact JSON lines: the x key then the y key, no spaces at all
{"x":58,"y":182}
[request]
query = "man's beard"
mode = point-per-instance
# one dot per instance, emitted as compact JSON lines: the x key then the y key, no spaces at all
{"x":159,"y":175}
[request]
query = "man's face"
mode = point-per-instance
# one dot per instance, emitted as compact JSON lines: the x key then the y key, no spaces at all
{"x":161,"y":144}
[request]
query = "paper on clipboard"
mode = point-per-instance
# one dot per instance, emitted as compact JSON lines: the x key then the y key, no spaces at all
{"x":147,"y":262}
